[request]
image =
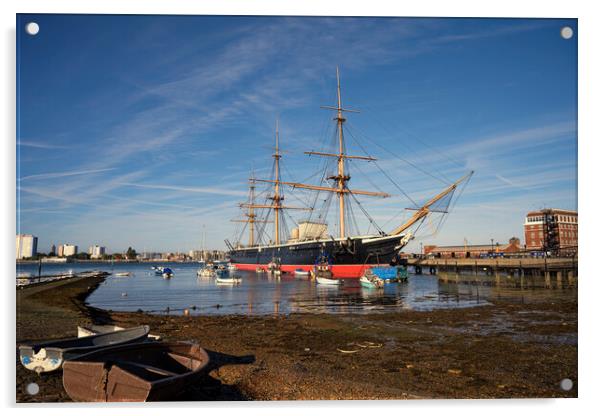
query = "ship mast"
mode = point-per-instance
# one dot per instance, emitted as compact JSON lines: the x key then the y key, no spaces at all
{"x":250,"y":214}
{"x":341,"y":178}
{"x":277,"y":197}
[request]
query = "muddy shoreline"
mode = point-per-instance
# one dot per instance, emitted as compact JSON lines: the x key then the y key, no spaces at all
{"x":502,"y":350}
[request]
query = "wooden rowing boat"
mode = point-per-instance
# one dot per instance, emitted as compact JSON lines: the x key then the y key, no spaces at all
{"x":135,"y":373}
{"x":49,"y":356}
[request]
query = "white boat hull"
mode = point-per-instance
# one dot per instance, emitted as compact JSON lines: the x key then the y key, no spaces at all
{"x":326,"y":281}
{"x":227,"y":281}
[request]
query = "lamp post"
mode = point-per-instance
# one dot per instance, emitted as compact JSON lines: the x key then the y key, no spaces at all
{"x":492,"y":245}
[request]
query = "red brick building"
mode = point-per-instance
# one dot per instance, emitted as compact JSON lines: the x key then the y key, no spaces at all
{"x":472,"y":251}
{"x":551,"y":230}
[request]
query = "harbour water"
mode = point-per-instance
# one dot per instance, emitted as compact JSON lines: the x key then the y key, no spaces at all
{"x":261,"y":294}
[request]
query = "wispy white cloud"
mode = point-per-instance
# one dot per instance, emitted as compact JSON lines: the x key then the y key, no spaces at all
{"x":80,"y":191}
{"x":520,"y":139}
{"x":500,"y":31}
{"x":190,"y":189}
{"x":51,"y":175}
{"x":39,"y":145}
{"x":197,"y":98}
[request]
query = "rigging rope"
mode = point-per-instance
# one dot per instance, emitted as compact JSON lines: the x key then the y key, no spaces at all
{"x":366,"y":214}
{"x":382,"y":170}
{"x":443,"y":155}
{"x":399,"y":157}
{"x":394,"y":216}
{"x":454,"y":202}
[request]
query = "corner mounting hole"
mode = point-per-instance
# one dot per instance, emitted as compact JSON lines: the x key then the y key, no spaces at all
{"x":566,"y":384}
{"x":32,"y":389}
{"x":32,"y":28}
{"x":566,"y":32}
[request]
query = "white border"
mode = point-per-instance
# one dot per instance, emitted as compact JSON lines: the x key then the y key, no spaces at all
{"x":590,"y":71}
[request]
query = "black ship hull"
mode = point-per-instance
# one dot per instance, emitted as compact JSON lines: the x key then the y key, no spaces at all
{"x":349,"y":257}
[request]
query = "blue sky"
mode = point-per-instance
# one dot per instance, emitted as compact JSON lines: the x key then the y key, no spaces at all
{"x":140,"y":130}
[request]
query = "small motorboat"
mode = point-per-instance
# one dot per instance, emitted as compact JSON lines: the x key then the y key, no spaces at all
{"x":328,"y":281}
{"x":323,"y":272}
{"x":221,"y":270}
{"x":123,"y":274}
{"x":259,"y":270}
{"x":135,"y":373}
{"x":158,"y":270}
{"x":301,"y":273}
{"x":274,"y":268}
{"x":167,"y":273}
{"x":49,"y":355}
{"x":206,"y":272}
{"x":86,"y":331}
{"x":371,"y":282}
{"x":230,"y":280}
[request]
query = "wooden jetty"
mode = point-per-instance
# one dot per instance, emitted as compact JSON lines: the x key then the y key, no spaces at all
{"x":548,"y":272}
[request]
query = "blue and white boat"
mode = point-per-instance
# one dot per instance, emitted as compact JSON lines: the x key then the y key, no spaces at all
{"x":387,"y":274}
{"x":371,"y":282}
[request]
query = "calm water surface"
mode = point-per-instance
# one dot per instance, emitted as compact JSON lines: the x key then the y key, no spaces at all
{"x":262,"y":294}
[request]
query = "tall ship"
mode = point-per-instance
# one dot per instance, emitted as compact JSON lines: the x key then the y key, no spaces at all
{"x":349,"y":252}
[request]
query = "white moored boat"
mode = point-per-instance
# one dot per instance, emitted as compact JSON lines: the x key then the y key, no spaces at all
{"x":206,"y":272}
{"x":228,"y":280}
{"x":323,"y":272}
{"x":327,"y":281}
{"x":301,"y":273}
